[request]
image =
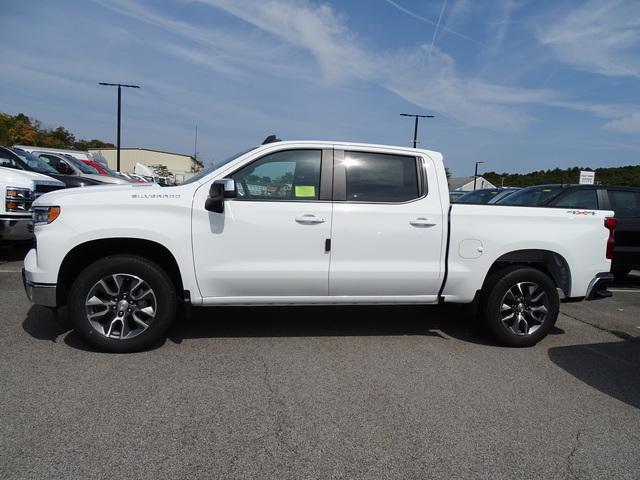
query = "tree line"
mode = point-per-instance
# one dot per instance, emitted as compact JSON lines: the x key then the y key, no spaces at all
{"x":21,"y":130}
{"x":628,"y":176}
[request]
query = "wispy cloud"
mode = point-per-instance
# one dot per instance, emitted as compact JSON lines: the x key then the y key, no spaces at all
{"x":629,"y":124}
{"x":425,"y":76}
{"x":599,"y":36}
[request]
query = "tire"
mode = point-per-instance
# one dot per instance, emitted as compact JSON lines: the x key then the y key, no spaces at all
{"x":619,"y":275}
{"x":520,"y":306}
{"x":112,"y":300}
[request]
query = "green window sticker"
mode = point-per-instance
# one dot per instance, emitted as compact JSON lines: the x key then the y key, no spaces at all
{"x":305,"y":191}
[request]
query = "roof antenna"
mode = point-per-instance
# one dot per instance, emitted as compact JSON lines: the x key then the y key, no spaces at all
{"x":271,"y":139}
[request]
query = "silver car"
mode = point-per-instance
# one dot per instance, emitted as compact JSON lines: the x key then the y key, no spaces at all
{"x":72,"y":166}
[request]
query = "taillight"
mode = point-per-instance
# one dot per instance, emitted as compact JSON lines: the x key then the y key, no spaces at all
{"x":610,"y":224}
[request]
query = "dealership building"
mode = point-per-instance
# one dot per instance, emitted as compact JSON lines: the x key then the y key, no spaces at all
{"x":466,"y":184}
{"x":179,"y":164}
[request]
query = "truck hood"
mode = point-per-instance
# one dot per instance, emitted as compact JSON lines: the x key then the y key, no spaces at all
{"x":102,"y":194}
{"x":26,"y":179}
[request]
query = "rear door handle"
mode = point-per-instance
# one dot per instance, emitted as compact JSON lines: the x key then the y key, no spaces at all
{"x":309,"y":219}
{"x":421,"y":222}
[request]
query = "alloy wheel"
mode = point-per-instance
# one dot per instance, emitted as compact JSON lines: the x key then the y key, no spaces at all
{"x":524,"y":308}
{"x":121,"y":306}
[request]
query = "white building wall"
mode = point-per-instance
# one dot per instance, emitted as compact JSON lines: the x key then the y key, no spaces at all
{"x":177,"y":164}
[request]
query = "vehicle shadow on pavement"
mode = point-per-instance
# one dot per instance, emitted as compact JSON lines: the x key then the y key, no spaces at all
{"x":612,"y":368}
{"x":445,"y":323}
{"x":13,"y":253}
{"x":46,"y":324}
{"x":324,"y":321}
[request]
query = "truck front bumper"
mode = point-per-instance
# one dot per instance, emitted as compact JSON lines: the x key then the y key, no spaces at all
{"x":40,"y":293}
{"x":598,"y":286}
{"x":15,"y":228}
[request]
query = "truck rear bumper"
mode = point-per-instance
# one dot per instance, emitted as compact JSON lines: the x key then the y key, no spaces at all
{"x":40,"y":293}
{"x":598,"y":286}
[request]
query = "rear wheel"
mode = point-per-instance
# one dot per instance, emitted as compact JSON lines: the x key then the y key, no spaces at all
{"x":521,"y":306}
{"x":122,"y":303}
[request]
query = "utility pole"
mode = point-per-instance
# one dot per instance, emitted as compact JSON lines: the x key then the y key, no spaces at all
{"x":119,"y":85}
{"x":475,"y":175}
{"x":415,"y":126}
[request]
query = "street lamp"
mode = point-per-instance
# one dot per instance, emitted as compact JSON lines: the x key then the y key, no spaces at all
{"x":119,"y":85}
{"x":415,"y":127}
{"x":475,"y":175}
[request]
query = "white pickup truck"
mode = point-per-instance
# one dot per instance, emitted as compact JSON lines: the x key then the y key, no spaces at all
{"x":19,"y":189}
{"x":308,"y":223}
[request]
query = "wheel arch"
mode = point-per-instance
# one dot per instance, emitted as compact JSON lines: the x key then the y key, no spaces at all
{"x":85,"y":253}
{"x":547,"y":261}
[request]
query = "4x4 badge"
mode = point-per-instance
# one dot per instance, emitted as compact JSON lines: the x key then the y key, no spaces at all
{"x":581,"y":212}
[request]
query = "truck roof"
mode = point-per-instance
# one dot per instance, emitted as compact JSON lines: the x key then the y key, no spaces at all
{"x":353,"y":144}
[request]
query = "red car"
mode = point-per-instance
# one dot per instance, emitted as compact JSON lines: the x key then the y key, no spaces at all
{"x":104,"y":170}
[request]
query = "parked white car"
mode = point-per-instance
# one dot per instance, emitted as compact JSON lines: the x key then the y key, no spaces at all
{"x":308,"y":223}
{"x":20,"y":188}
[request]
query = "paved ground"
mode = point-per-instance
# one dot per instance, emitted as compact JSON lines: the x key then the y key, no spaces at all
{"x":321,"y":393}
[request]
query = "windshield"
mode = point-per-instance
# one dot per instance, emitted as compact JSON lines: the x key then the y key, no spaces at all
{"x":34,"y":163}
{"x":207,"y":170}
{"x":83,"y":167}
{"x":105,"y":168}
{"x":531,"y":196}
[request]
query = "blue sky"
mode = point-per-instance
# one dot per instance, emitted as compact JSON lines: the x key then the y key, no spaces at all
{"x":520,"y":85}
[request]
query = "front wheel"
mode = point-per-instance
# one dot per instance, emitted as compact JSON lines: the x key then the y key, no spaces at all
{"x":122,"y":303}
{"x":521,"y":306}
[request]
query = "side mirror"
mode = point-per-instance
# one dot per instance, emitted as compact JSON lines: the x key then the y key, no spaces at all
{"x":220,"y":189}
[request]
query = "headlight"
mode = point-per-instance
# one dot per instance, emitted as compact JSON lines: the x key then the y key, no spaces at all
{"x":45,"y":215}
{"x":18,"y":199}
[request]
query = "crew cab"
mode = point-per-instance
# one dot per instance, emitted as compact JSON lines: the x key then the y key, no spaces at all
{"x":19,"y":189}
{"x":308,"y":222}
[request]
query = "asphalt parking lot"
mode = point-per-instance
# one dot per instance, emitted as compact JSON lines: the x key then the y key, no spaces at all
{"x":334,"y":392}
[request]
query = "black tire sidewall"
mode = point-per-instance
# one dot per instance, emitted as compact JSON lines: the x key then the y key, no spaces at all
{"x":157,"y":279}
{"x":498,"y":285}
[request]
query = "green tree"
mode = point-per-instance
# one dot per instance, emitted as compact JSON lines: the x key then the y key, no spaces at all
{"x":161,"y":170}
{"x":87,"y":144}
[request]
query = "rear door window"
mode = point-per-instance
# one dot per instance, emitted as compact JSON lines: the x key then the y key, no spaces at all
{"x":376,"y":177}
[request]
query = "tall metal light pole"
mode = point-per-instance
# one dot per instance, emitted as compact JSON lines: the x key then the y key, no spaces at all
{"x":475,"y":175}
{"x":119,"y":85}
{"x":415,"y":126}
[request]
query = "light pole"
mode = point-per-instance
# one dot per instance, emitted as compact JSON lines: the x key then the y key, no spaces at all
{"x":475,"y":175}
{"x":415,"y":126}
{"x":119,"y":85}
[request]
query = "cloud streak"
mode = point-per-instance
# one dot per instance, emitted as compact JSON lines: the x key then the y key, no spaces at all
{"x":600,"y":37}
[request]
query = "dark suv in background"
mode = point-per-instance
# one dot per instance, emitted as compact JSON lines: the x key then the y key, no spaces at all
{"x":624,"y":201}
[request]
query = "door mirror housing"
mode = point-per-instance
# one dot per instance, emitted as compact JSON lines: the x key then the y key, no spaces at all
{"x":220,"y":189}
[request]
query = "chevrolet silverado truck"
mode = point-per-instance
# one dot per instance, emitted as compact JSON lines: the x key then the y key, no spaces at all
{"x":312,"y":223}
{"x":20,"y":188}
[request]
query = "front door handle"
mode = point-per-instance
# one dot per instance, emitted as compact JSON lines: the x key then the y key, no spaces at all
{"x":421,"y":222}
{"x":309,"y":219}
